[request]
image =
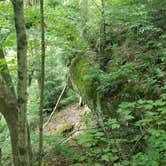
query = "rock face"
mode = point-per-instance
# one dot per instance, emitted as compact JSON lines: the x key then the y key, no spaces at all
{"x":84,"y":79}
{"x":84,"y":76}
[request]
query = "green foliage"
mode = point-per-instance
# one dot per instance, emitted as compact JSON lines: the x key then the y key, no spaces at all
{"x":62,"y":42}
{"x":66,"y":152}
{"x":149,"y":115}
{"x":2,"y":124}
{"x":55,"y":80}
{"x":132,"y":88}
{"x":69,"y":98}
{"x":62,"y":28}
{"x":119,"y":81}
{"x":155,"y":153}
{"x":96,"y":148}
{"x":7,"y":36}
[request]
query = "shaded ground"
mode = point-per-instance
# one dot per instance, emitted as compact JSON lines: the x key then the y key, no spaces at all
{"x":68,"y":118}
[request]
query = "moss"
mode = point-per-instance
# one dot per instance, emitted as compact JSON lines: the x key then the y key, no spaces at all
{"x":88,"y":80}
{"x":64,"y":128}
{"x":85,"y":77}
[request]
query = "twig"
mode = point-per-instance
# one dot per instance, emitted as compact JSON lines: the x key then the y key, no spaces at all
{"x":59,"y":99}
{"x":0,"y":157}
{"x":71,"y":133}
{"x":136,"y":144}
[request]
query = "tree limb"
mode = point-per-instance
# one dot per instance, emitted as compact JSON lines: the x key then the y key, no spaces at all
{"x":59,"y":99}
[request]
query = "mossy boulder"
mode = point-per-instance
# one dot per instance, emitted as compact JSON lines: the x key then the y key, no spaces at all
{"x":61,"y":129}
{"x":84,"y":78}
{"x":64,"y":128}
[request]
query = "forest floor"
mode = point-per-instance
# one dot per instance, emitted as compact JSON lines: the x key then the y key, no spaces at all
{"x":67,"y":119}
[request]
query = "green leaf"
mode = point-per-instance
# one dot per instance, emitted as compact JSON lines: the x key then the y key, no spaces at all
{"x":115,"y":126}
{"x":159,"y":103}
{"x":98,"y":164}
{"x":105,"y":157}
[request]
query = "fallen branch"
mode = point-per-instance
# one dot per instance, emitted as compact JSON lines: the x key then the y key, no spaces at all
{"x":58,"y":101}
{"x":136,"y":144}
{"x":72,"y":133}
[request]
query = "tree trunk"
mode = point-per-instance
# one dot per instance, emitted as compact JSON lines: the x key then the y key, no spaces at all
{"x":5,"y":72}
{"x":8,"y":103}
{"x":103,"y":57}
{"x":13,"y":128}
{"x":14,"y":135}
{"x":83,"y":18}
{"x":41,"y":82}
{"x":8,"y":109}
{"x":12,"y":108}
{"x":0,"y":156}
{"x":25,"y":158}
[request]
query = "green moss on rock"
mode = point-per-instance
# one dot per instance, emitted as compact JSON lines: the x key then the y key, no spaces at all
{"x":64,"y":128}
{"x":85,"y":77}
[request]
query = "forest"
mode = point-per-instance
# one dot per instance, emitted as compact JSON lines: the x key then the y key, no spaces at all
{"x":82,"y":82}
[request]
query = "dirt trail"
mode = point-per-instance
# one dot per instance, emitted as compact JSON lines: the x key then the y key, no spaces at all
{"x":65,"y":119}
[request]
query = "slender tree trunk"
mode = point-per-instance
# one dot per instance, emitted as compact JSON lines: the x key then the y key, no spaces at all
{"x":13,"y":128}
{"x":83,"y":18}
{"x":25,"y":159}
{"x":8,"y":103}
{"x":102,"y":54}
{"x":5,"y":72}
{"x":41,"y":82}
{"x":9,"y":109}
{"x":11,"y":116}
{"x":0,"y":156}
{"x":84,"y":12}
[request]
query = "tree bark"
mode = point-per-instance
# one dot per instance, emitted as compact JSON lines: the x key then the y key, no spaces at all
{"x":8,"y":103}
{"x":9,"y":109}
{"x":42,"y":77}
{"x":5,"y":72}
{"x":25,"y":158}
{"x":11,"y":119}
{"x":14,"y":108}
{"x":103,"y":57}
{"x":0,"y":156}
{"x":83,"y":18}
